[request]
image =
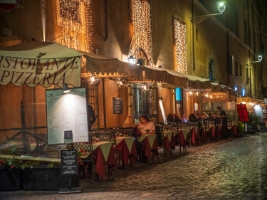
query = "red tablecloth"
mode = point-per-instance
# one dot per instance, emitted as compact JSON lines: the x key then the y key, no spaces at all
{"x":104,"y":155}
{"x":149,"y":143}
{"x":168,"y":140}
{"x":126,"y":147}
{"x":234,"y":129}
{"x":212,"y":132}
{"x":184,"y":138}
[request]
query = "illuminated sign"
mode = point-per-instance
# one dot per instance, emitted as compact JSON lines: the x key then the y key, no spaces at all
{"x":178,"y":94}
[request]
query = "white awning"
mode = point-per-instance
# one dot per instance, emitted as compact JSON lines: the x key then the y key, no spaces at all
{"x":40,"y":63}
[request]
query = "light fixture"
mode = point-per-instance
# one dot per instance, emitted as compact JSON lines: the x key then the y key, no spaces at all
{"x":121,"y":82}
{"x":145,"y":87}
{"x":160,"y":99}
{"x":65,"y":89}
{"x":132,"y":59}
{"x":94,"y":80}
{"x":199,"y":19}
{"x":259,"y":59}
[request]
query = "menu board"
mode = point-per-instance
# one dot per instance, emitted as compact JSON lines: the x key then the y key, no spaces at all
{"x":117,"y":105}
{"x":66,"y":116}
{"x":69,"y":162}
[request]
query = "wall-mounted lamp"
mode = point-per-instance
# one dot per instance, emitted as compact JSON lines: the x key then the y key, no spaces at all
{"x":65,"y":89}
{"x":132,"y":59}
{"x":259,"y":59}
{"x":140,"y":61}
{"x":199,"y":19}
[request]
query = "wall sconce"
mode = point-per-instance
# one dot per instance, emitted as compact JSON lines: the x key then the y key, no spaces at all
{"x":94,"y":80}
{"x":145,"y":87}
{"x":199,"y":19}
{"x":65,"y":89}
{"x":132,"y":59}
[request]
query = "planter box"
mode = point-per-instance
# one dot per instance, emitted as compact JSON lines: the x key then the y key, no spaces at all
{"x":10,"y":179}
{"x":46,"y":179}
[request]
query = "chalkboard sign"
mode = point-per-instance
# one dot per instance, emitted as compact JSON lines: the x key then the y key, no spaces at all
{"x":117,"y":105}
{"x":69,"y":163}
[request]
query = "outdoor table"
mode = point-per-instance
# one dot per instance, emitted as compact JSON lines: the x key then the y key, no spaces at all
{"x":126,"y":147}
{"x":104,"y":155}
{"x":168,"y":141}
{"x":184,"y":138}
{"x":187,"y":135}
{"x":211,"y":131}
{"x":149,"y":143}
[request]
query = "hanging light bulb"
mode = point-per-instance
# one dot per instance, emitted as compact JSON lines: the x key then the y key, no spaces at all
{"x":94,"y":80}
{"x":145,"y":87}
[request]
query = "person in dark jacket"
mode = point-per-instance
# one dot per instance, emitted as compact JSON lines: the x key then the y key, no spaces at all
{"x":173,"y":118}
{"x":224,"y":122}
{"x":90,"y":116}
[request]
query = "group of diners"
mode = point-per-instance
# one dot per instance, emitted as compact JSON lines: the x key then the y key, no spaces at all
{"x":203,"y":119}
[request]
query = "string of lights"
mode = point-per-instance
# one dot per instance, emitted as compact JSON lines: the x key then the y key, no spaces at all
{"x":180,"y":46}
{"x":142,"y":35}
{"x":75,"y":21}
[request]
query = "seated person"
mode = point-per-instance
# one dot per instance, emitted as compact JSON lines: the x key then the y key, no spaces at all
{"x":193,"y":118}
{"x":146,"y":125}
{"x":173,"y":118}
{"x":202,"y":121}
{"x":184,"y":119}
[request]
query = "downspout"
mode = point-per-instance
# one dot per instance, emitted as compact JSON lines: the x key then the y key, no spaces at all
{"x":104,"y":102}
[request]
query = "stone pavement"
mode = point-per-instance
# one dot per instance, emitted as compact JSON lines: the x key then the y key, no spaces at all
{"x":226,"y":169}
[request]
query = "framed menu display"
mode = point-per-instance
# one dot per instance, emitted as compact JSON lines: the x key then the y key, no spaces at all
{"x":69,"y":163}
{"x":66,"y":116}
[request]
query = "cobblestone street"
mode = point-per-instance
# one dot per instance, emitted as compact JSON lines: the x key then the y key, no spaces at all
{"x":227,"y":169}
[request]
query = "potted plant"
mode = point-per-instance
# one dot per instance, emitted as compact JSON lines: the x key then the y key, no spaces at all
{"x":11,"y":174}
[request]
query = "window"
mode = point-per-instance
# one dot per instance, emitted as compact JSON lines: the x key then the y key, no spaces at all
{"x":240,"y":70}
{"x":180,"y":46}
{"x":145,"y":102}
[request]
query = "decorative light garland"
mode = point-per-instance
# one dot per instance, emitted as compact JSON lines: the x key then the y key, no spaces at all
{"x":142,"y":35}
{"x":180,"y":46}
{"x":75,"y":21}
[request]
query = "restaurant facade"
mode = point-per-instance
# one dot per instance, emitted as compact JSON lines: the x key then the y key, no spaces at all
{"x":181,"y":64}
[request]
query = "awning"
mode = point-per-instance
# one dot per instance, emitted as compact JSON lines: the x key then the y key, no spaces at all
{"x":164,"y":76}
{"x":175,"y":78}
{"x":106,"y":66}
{"x":40,"y":63}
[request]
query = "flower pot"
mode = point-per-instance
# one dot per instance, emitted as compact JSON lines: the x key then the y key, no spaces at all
{"x":43,"y":178}
{"x":10,"y":179}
